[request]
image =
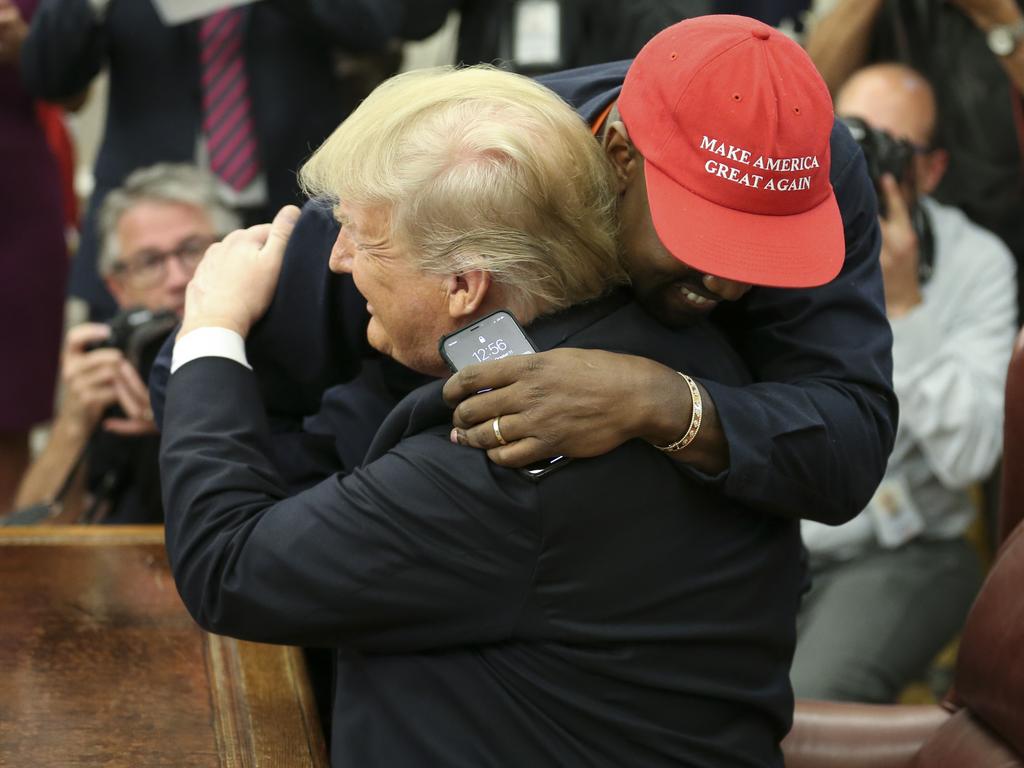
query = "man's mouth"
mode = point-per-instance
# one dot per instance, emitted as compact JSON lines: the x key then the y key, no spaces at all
{"x":698,"y":300}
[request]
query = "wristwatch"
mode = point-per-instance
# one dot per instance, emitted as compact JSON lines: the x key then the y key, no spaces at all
{"x":1003,"y":40}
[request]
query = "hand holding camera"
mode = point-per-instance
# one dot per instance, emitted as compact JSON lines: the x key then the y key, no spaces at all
{"x":908,"y":250}
{"x":97,"y":376}
{"x":900,"y":255}
{"x":88,"y":372}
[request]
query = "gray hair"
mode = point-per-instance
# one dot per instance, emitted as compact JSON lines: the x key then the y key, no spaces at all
{"x":178,"y":183}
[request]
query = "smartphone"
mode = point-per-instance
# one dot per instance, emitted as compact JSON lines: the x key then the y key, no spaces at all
{"x":494,"y":337}
{"x":490,"y":338}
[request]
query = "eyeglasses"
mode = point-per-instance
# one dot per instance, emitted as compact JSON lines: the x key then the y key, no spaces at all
{"x":148,"y":268}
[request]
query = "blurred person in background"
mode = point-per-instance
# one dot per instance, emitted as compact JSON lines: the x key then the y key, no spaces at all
{"x":246,"y":91}
{"x":972,"y":53}
{"x":902,"y":569}
{"x":154,"y":231}
{"x":33,"y":257}
{"x":543,"y":36}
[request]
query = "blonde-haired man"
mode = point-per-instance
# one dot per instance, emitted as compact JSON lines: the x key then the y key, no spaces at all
{"x":615,"y":613}
{"x":463,"y":188}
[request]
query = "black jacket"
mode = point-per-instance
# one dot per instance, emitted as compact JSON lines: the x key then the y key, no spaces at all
{"x":613,"y":613}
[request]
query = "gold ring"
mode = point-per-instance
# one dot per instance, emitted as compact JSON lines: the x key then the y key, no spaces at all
{"x":497,"y":431}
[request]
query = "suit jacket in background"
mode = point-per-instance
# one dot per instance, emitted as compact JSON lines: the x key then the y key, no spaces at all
{"x":154,"y":108}
{"x":614,"y":613}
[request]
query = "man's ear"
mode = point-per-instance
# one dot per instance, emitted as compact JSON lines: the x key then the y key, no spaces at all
{"x":620,"y":152}
{"x":467,"y":292}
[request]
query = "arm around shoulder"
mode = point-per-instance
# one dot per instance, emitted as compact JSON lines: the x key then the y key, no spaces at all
{"x":812,"y":437}
{"x":360,"y":26}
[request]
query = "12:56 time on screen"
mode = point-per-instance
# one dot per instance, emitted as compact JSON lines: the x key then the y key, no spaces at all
{"x":494,"y":349}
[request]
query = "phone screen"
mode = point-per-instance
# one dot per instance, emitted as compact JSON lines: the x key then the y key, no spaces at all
{"x":491,"y":338}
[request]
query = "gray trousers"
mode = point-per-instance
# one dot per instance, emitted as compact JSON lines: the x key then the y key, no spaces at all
{"x":871,"y":625}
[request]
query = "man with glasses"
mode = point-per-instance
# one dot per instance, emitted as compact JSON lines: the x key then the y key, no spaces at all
{"x":154,"y":231}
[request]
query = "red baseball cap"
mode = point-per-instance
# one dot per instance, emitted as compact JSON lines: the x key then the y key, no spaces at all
{"x":734,"y":121}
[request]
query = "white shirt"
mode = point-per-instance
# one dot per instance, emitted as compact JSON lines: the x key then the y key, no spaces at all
{"x":209,"y":342}
{"x":950,"y":356}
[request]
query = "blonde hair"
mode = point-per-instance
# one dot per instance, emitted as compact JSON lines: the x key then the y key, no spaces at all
{"x":481,"y":169}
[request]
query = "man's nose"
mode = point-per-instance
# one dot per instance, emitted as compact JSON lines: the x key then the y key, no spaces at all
{"x":727,"y":290}
{"x":341,"y":259}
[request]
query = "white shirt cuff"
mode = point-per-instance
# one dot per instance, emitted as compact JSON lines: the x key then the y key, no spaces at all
{"x":209,"y":342}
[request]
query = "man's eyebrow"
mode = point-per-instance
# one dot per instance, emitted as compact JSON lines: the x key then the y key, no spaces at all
{"x":141,"y":253}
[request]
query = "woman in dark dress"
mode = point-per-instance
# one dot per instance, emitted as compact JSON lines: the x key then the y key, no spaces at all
{"x":33,"y":259}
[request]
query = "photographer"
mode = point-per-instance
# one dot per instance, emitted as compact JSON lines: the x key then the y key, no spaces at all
{"x":902,"y":566}
{"x":100,"y":462}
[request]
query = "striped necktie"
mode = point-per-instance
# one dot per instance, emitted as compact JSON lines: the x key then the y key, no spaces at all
{"x":227,"y":111}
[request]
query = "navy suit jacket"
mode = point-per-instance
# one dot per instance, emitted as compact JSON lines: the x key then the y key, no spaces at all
{"x":614,"y":613}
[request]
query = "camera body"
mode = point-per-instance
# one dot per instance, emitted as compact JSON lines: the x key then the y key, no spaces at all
{"x":139,"y":333}
{"x":884,"y":154}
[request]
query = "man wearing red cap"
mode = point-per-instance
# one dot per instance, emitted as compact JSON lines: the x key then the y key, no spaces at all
{"x":724,"y":145}
{"x":812,"y":437}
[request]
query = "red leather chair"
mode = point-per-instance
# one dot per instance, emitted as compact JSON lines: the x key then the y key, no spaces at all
{"x":1011,"y":496}
{"x":981,"y":724}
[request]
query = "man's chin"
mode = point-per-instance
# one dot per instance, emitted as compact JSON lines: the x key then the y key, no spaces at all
{"x":377,"y":340}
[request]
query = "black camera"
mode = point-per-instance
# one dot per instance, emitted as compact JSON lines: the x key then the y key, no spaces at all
{"x":884,"y":154}
{"x":139,"y":333}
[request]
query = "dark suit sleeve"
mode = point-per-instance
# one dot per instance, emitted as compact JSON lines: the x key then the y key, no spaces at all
{"x":398,"y":556}
{"x":588,"y":90}
{"x":424,"y":17}
{"x":359,"y":26}
{"x":813,"y":437}
{"x":65,"y":49}
{"x":313,"y":335}
{"x":311,"y":339}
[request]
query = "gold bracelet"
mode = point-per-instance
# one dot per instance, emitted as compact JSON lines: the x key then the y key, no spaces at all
{"x":695,"y":416}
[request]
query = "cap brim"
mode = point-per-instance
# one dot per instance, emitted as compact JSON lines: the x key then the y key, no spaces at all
{"x":799,"y":250}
